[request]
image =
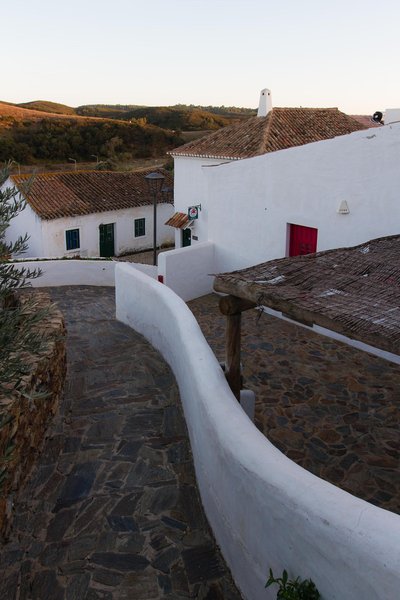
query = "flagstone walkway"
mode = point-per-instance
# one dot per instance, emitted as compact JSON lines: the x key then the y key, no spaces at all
{"x":112,"y":510}
{"x":331,"y":408}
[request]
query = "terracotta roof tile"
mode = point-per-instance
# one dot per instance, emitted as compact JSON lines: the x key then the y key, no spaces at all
{"x":179,"y":220}
{"x":55,"y":195}
{"x":366,"y":120}
{"x":282,"y":128}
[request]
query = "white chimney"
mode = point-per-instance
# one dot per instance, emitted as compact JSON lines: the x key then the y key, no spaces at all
{"x":265,"y":104}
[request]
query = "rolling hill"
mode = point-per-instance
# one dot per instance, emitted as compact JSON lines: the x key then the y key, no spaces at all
{"x":41,"y":130}
{"x":28,"y":135}
{"x":49,"y":107}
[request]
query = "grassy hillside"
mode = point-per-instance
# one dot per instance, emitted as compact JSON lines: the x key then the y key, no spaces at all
{"x":31,"y":132}
{"x":28,"y":136}
{"x":180,"y":117}
{"x":18,"y":113}
{"x":106,"y":111}
{"x":49,"y":107}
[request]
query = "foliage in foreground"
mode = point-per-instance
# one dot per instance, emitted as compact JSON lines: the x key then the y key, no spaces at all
{"x":19,"y":336}
{"x":293,"y":589}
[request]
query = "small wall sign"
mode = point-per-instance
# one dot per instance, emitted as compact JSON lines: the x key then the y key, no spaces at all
{"x":193,"y":212}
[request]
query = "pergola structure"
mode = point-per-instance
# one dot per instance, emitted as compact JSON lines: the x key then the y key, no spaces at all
{"x":352,"y":291}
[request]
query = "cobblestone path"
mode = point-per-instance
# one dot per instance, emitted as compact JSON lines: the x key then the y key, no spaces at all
{"x":331,"y":408}
{"x":112,"y":510}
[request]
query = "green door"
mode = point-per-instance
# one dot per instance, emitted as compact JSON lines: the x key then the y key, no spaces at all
{"x":107,"y":239}
{"x":186,"y":237}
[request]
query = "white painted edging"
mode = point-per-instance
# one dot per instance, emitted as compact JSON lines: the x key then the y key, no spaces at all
{"x":265,"y":510}
{"x":72,"y":272}
{"x":79,"y":272}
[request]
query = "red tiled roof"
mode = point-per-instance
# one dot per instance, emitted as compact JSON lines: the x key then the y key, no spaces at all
{"x":282,"y":128}
{"x":179,"y":220}
{"x":55,"y":195}
{"x":366,"y":120}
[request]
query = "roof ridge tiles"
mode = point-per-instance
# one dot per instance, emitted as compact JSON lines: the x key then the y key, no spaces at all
{"x":69,"y":193}
{"x":282,"y":128}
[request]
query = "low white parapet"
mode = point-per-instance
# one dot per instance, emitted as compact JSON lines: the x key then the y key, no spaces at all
{"x":265,"y":510}
{"x":188,"y":271}
{"x":61,"y":272}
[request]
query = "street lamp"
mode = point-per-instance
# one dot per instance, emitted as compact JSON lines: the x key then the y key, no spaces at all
{"x":154,"y":183}
{"x":167,"y":194}
{"x":73,"y":159}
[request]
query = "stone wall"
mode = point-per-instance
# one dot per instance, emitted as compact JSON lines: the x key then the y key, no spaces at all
{"x":25,"y":417}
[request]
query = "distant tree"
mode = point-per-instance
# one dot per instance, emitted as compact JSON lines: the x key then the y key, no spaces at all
{"x":169,"y":164}
{"x":110,"y":148}
{"x":57,"y":140}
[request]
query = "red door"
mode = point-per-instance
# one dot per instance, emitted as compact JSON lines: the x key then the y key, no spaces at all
{"x":302,"y":240}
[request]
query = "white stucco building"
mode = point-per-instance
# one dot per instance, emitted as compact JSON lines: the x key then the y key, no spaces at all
{"x":273,"y":129}
{"x":297,"y":192}
{"x":89,"y":213}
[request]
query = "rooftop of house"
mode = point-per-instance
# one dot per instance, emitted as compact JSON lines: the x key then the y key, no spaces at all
{"x":280,"y":129}
{"x":336,"y":289}
{"x":366,"y":120}
{"x":72,"y":193}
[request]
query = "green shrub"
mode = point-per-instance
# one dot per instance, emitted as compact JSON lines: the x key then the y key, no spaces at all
{"x":293,"y":589}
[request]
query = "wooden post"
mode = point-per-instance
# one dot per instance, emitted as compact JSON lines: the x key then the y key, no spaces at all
{"x":232,"y":307}
{"x":232,"y":352}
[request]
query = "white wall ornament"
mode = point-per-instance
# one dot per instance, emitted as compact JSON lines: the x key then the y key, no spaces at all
{"x":343,"y":208}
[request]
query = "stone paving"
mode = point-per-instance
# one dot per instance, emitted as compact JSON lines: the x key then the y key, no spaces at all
{"x":331,"y":408}
{"x":112,"y":510}
{"x":145,"y":257}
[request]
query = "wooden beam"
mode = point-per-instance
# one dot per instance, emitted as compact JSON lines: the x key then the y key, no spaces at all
{"x":253,"y":292}
{"x":232,"y":305}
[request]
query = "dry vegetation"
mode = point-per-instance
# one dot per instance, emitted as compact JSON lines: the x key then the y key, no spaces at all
{"x":18,"y":113}
{"x":46,"y":134}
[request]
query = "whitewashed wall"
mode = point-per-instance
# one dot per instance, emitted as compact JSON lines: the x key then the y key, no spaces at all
{"x":251,"y":202}
{"x":79,"y":272}
{"x":265,"y":510}
{"x":248,"y":204}
{"x":190,"y":187}
{"x":72,"y":272}
{"x":188,"y":271}
{"x":26,"y":222}
{"x":124,"y":232}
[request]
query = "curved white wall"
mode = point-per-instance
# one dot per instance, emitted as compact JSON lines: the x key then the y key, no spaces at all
{"x":78,"y":272}
{"x":265,"y":510}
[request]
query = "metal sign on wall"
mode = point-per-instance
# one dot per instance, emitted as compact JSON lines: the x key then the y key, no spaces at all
{"x":193,"y":212}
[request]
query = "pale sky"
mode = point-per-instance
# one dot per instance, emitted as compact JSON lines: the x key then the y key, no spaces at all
{"x":210,"y":52}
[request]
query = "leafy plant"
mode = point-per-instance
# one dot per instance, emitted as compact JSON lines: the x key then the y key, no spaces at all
{"x":293,"y":589}
{"x":19,"y":334}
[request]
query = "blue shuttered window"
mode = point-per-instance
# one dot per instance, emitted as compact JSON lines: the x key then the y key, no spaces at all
{"x":72,"y":239}
{"x":140,"y":227}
